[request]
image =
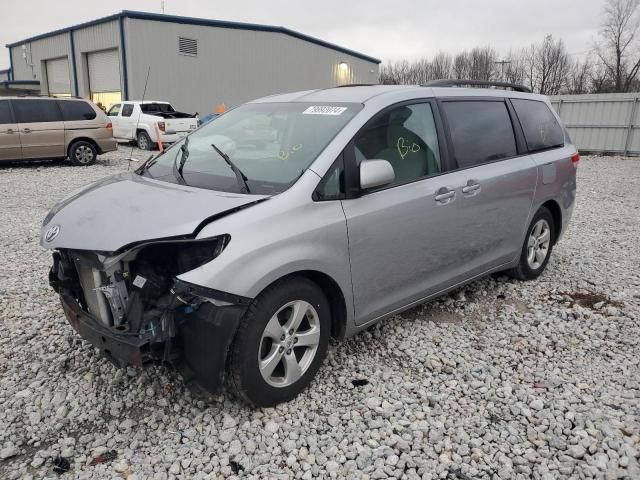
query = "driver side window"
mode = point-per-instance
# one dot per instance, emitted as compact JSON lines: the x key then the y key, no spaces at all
{"x":406,"y":137}
{"x":114,"y":111}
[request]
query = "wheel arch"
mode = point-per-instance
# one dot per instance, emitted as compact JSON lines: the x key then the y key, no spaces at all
{"x":556,"y":213}
{"x":334,"y":295}
{"x":90,"y":140}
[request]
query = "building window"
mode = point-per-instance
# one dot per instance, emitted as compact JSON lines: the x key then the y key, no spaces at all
{"x":187,"y":46}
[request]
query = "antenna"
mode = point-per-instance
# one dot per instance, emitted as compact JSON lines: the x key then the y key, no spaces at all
{"x":162,"y":6}
{"x":144,"y":92}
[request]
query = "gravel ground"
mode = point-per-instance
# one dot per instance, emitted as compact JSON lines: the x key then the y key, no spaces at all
{"x":501,"y":379}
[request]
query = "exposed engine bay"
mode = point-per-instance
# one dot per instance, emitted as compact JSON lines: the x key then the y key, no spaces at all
{"x":132,"y":307}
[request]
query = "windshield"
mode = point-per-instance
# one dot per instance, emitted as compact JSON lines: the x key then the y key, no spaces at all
{"x":270,"y":144}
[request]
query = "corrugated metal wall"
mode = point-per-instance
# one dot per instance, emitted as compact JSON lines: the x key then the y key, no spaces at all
{"x":96,"y":37}
{"x":103,"y":36}
{"x":29,"y":62}
{"x":606,"y":123}
{"x":232,"y":66}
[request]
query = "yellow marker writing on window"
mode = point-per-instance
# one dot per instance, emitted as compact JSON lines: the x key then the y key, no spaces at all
{"x":404,"y":147}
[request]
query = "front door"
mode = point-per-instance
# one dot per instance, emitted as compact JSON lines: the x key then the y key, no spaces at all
{"x":41,"y":128}
{"x":402,"y":236}
{"x":9,"y":134}
{"x":127,"y":121}
{"x":116,"y":124}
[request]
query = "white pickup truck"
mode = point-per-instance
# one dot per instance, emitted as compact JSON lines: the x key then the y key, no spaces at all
{"x":144,"y":121}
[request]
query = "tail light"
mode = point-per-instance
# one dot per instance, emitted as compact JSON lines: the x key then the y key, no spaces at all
{"x":575,"y":159}
{"x":161,"y":126}
{"x":109,"y":126}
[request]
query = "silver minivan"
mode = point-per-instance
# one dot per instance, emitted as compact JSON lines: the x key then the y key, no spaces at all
{"x":239,"y":252}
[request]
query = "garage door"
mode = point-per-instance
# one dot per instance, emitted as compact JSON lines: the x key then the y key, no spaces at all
{"x":104,"y":71}
{"x":58,"y":78}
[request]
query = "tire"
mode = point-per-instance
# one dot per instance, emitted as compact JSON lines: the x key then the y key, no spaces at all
{"x":143,"y":141}
{"x":539,"y":240}
{"x":262,"y":340}
{"x":83,"y":153}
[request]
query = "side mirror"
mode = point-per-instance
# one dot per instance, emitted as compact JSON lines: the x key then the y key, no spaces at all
{"x":375,"y":173}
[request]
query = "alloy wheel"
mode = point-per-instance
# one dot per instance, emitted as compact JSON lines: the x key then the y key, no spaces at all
{"x":289,"y":343}
{"x":142,"y":142}
{"x":538,"y":244}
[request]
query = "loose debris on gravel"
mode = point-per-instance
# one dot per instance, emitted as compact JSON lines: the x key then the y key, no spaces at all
{"x":498,"y":380}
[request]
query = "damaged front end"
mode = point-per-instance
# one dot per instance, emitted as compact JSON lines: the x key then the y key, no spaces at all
{"x":134,"y":309}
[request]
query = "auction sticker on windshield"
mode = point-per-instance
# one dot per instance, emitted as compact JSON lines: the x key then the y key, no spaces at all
{"x":324,"y":110}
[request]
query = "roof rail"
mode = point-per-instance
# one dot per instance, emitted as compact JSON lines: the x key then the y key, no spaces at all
{"x":357,"y":85}
{"x":477,"y":83}
{"x":42,"y":95}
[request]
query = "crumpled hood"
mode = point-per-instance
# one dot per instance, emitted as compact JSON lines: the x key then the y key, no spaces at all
{"x":127,"y":208}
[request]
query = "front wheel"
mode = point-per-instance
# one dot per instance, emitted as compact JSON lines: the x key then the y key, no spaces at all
{"x":537,"y":246}
{"x":280,"y":344}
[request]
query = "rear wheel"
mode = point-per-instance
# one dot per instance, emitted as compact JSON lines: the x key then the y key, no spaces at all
{"x":537,"y":246}
{"x":82,"y":153}
{"x":143,"y":140}
{"x":280,"y":344}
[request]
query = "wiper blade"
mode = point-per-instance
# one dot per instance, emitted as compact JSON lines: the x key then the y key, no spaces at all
{"x":240,"y":177}
{"x":146,"y":164}
{"x":177,"y":168}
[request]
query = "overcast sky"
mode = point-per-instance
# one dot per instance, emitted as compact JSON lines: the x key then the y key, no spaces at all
{"x":386,"y":29}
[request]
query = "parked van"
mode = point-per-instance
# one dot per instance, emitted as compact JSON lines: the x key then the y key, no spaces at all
{"x":53,"y":128}
{"x":243,"y":248}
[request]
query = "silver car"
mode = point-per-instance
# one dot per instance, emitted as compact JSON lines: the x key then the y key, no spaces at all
{"x":241,"y":250}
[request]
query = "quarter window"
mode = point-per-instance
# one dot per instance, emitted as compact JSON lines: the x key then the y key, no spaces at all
{"x":406,"y":137}
{"x":73,"y":110}
{"x":332,"y":185}
{"x":5,"y":112}
{"x":541,"y":129}
{"x":127,"y":110}
{"x":33,"y":111}
{"x":481,"y":131}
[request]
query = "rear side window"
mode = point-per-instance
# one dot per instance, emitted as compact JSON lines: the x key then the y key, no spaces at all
{"x":127,"y":110}
{"x":32,"y":111}
{"x":5,"y":112}
{"x":76,"y":110}
{"x":541,"y":129}
{"x":481,"y":131}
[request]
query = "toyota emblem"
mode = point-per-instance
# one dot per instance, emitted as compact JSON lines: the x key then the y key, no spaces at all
{"x":52,"y":233}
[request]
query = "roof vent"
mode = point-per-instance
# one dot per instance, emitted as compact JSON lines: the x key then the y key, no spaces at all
{"x":187,"y":46}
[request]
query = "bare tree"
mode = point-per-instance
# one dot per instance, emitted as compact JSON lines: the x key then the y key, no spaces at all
{"x":580,"y":77}
{"x":441,"y":66}
{"x":515,"y":71}
{"x":461,"y":66}
{"x":483,"y":63}
{"x":618,"y":48}
{"x":547,"y":66}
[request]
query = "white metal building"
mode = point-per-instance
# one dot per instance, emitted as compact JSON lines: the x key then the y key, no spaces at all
{"x":194,"y":63}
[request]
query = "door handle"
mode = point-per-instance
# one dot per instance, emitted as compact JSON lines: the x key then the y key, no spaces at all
{"x":444,"y":194}
{"x":471,"y":187}
{"x":9,"y":130}
{"x":26,"y":130}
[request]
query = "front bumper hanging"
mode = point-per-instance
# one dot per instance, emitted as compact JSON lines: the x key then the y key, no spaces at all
{"x":204,"y":323}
